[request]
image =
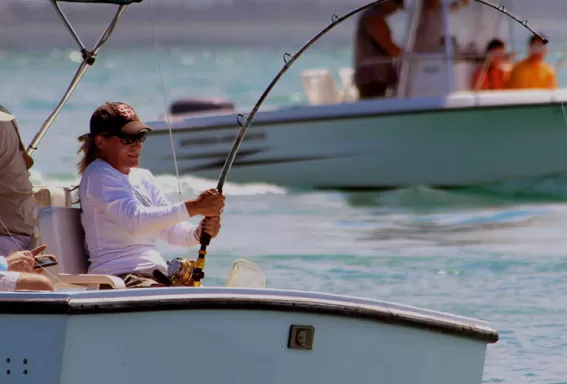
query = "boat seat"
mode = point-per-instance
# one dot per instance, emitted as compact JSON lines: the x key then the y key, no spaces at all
{"x":61,"y":230}
{"x":320,"y":87}
{"x":349,"y":91}
{"x":47,"y":196}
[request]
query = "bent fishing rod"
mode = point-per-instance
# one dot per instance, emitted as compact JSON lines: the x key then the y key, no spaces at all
{"x":205,"y":238}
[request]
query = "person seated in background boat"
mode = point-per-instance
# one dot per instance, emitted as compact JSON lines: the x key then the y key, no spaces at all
{"x":18,"y":209}
{"x":533,"y":72}
{"x":17,"y":272}
{"x":374,"y":70}
{"x":493,"y":74}
{"x":124,"y":212}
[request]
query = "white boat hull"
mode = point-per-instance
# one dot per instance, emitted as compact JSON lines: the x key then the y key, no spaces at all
{"x":457,"y":141}
{"x":220,"y":336}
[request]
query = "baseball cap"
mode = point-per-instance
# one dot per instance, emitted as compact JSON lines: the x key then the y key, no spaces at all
{"x":115,"y":119}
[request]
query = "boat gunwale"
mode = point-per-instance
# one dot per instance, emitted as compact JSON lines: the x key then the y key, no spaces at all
{"x":245,"y":300}
{"x":298,"y":114}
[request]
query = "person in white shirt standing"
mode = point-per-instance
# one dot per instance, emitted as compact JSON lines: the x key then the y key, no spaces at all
{"x":123,"y":210}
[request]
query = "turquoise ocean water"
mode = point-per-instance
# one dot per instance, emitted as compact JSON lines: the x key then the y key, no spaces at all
{"x":498,"y":253}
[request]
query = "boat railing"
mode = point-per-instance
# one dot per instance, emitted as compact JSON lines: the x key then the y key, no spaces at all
{"x":427,"y":75}
{"x":409,"y":46}
{"x":321,"y":88}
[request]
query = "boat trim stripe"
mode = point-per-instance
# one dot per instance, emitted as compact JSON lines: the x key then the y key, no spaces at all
{"x":250,"y":163}
{"x":154,"y":303}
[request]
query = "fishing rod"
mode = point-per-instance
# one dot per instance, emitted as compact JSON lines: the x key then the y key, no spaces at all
{"x":205,"y":238}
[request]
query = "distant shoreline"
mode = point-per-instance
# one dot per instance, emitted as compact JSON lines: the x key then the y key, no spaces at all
{"x":288,"y":23}
{"x":284,"y":24}
{"x":48,"y":36}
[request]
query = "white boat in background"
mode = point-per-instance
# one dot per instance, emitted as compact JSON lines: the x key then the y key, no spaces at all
{"x":435,"y":130}
{"x":252,"y":335}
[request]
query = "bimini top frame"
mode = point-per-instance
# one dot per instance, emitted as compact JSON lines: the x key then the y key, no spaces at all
{"x":117,"y":2}
{"x":88,"y":57}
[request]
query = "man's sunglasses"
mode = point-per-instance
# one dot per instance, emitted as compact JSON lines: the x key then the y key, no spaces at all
{"x":127,"y":139}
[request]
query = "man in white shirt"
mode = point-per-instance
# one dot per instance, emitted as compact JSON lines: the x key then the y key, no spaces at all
{"x":17,"y":272}
{"x":123,"y":210}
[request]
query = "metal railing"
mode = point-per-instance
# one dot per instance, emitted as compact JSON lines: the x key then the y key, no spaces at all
{"x":404,"y":63}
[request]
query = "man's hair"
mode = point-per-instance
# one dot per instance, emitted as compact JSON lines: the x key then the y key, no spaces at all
{"x":88,"y":148}
{"x":494,"y":44}
{"x":535,"y":38}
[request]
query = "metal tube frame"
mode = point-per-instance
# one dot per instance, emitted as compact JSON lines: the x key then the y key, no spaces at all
{"x":406,"y":65}
{"x":88,"y":60}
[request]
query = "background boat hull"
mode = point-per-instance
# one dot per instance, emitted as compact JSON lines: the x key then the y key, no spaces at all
{"x":443,"y":147}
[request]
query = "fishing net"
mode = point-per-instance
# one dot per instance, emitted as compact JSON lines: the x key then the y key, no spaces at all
{"x":245,"y":274}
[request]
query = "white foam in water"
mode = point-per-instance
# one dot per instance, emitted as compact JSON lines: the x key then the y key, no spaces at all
{"x":427,"y":198}
{"x":190,"y":185}
{"x":38,"y":179}
{"x":195,"y":185}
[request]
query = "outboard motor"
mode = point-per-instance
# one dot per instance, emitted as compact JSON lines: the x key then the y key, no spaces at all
{"x":200,"y":105}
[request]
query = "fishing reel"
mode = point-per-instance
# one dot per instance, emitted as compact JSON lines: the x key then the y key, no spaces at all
{"x":181,"y":272}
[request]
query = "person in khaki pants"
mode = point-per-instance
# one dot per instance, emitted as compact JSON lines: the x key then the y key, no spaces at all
{"x":124,"y":212}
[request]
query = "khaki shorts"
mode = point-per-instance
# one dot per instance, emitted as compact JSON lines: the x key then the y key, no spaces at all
{"x":132,"y":280}
{"x":8,"y":281}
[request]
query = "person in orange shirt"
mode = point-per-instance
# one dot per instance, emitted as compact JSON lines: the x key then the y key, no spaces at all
{"x":494,"y":73}
{"x":533,"y":72}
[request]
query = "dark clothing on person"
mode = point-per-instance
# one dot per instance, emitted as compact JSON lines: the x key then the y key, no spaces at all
{"x":372,"y":78}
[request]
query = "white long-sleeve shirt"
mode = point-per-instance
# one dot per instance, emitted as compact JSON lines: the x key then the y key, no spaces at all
{"x":124,"y":215}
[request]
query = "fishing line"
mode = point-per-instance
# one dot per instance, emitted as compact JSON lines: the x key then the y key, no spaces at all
{"x":162,"y":83}
{"x":564,"y":114}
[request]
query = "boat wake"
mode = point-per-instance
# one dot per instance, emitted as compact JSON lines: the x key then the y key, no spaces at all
{"x":548,"y":188}
{"x":190,"y":186}
{"x":418,"y":198}
{"x":425,"y":198}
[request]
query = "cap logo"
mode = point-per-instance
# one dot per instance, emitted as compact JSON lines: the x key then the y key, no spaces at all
{"x":126,"y":111}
